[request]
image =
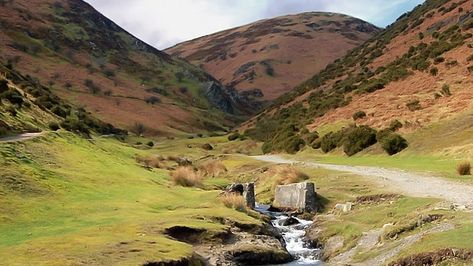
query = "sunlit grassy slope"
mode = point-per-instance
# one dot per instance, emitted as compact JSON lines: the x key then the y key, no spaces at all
{"x":67,"y":200}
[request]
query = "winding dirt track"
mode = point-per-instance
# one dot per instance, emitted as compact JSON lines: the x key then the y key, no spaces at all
{"x":412,"y":184}
{"x":21,"y":137}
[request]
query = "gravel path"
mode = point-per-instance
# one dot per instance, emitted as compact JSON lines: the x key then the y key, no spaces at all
{"x":412,"y":184}
{"x":21,"y":137}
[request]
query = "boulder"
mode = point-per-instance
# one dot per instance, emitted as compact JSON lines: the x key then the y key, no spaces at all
{"x":346,"y":207}
{"x":289,"y":221}
{"x":247,"y":190}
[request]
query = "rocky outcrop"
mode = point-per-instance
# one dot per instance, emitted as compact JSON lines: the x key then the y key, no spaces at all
{"x":228,"y":100}
{"x":246,"y":245}
{"x":247,"y":190}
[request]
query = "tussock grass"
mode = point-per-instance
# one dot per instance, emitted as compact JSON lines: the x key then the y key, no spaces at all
{"x":234,"y":201}
{"x":186,"y":176}
{"x":150,"y":161}
{"x":288,"y":175}
{"x":212,"y":168}
{"x":464,"y":168}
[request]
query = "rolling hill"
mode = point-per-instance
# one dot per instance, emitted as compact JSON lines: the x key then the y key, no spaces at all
{"x":416,"y":74}
{"x":91,"y":62}
{"x":270,"y":57}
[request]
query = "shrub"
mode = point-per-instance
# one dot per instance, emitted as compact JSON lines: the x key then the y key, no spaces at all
{"x":3,"y":85}
{"x":330,"y":141}
{"x":234,"y":136}
{"x":395,"y":125}
{"x":293,"y":145}
{"x":212,"y":168}
{"x":446,"y":90}
{"x":267,"y":147}
{"x":357,"y":139}
{"x":414,"y":105}
{"x":13,"y":96}
{"x":439,"y":60}
{"x":138,"y":128}
{"x":464,"y":168}
{"x":11,"y":110}
{"x":470,"y":69}
{"x":54,"y":126}
{"x":150,"y":144}
{"x":234,"y":201}
{"x":94,"y":89}
{"x":392,"y":143}
{"x":359,"y":115}
{"x":152,"y":100}
{"x":316,"y":144}
{"x":434,"y":71}
{"x":311,"y":137}
{"x":186,"y":176}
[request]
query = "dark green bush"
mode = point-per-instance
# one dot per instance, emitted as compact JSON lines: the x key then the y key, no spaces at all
{"x":359,"y":115}
{"x":294,"y":144}
{"x":311,"y":137}
{"x":152,"y":100}
{"x":54,"y":126}
{"x":267,"y":147}
{"x":395,"y":125}
{"x":234,"y":136}
{"x":150,"y":144}
{"x":434,"y":71}
{"x":13,"y":96}
{"x":393,"y":143}
{"x":317,"y":144}
{"x":330,"y":141}
{"x":3,"y":85}
{"x":357,"y":139}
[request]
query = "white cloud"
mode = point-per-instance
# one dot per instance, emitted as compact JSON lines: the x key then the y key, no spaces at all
{"x":163,"y":23}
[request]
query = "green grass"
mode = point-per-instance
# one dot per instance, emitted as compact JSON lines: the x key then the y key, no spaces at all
{"x":84,"y":198}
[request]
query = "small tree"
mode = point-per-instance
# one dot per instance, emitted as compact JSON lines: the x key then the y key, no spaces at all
{"x":138,"y":128}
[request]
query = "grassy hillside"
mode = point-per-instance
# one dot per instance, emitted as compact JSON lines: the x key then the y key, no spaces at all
{"x":413,"y":76}
{"x":93,"y":63}
{"x":269,"y":57}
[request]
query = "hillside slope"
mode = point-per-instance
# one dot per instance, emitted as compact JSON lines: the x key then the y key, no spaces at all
{"x":268,"y":58}
{"x":93,"y":63}
{"x":418,"y":71}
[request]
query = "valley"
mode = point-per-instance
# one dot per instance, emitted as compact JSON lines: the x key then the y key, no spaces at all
{"x":113,"y":152}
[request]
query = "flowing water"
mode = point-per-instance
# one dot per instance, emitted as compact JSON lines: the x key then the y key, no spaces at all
{"x":294,"y":237}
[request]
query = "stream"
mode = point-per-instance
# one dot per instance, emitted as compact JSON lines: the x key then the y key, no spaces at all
{"x":294,"y":237}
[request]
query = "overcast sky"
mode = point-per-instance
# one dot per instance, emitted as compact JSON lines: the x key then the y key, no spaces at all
{"x":163,"y":23}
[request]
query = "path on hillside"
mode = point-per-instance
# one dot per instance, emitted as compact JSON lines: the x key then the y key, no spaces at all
{"x":21,"y":137}
{"x":412,"y":184}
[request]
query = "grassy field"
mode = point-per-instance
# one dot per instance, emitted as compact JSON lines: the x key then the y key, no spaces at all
{"x":66,"y":200}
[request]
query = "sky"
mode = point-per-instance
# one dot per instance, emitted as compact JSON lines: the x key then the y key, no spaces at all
{"x":163,"y":23}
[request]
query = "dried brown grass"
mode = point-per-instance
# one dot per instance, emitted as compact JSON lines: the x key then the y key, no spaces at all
{"x":234,"y":201}
{"x":464,"y":168}
{"x":212,"y":168}
{"x":186,"y":176}
{"x":287,"y":175}
{"x":150,"y":161}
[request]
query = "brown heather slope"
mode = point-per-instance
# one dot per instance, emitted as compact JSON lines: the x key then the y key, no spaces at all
{"x":274,"y":55}
{"x":93,"y":63}
{"x":399,"y":74}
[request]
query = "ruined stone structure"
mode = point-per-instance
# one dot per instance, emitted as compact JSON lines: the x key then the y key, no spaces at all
{"x":297,"y":197}
{"x":247,"y":190}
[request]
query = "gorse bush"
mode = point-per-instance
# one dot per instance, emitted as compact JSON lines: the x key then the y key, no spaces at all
{"x":357,"y":139}
{"x":331,"y":141}
{"x":54,"y":126}
{"x":234,"y":136}
{"x":359,"y":115}
{"x":391,"y":142}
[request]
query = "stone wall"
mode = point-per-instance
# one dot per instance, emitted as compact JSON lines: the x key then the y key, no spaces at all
{"x":298,"y":197}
